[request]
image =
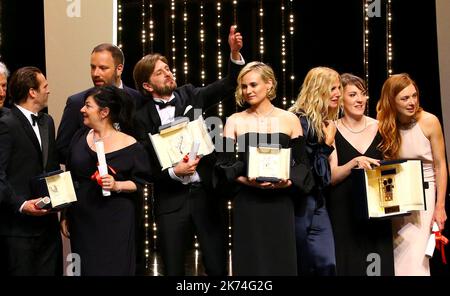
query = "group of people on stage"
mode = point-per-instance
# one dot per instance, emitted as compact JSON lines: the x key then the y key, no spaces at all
{"x":306,"y":224}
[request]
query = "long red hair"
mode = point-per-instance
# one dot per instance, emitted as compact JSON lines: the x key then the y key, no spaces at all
{"x":387,"y":114}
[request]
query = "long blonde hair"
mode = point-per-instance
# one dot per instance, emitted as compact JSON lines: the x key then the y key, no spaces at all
{"x":387,"y":114}
{"x":313,"y":99}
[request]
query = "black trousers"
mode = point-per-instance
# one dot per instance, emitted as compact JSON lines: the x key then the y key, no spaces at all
{"x":31,"y":256}
{"x":200,"y":215}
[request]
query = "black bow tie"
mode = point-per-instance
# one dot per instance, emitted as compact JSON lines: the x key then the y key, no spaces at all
{"x":36,"y":119}
{"x":163,"y":105}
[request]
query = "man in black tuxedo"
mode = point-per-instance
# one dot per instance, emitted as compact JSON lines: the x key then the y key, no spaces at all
{"x":107,"y":63}
{"x":183,"y":198}
{"x":30,"y":242}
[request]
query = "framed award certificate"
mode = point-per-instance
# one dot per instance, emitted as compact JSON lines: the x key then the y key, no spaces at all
{"x":58,"y":186}
{"x":175,"y":140}
{"x":394,"y":188}
{"x":268,"y":163}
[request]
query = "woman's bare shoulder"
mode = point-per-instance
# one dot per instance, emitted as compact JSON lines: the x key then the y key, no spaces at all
{"x":286,"y":114}
{"x":428,"y":117}
{"x":127,"y":140}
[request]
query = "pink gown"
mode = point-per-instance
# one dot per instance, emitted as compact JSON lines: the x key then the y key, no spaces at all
{"x":411,"y":233}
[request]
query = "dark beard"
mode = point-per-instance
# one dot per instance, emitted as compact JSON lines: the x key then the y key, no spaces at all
{"x":164,"y":91}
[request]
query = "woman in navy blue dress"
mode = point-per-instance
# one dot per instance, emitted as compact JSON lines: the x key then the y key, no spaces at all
{"x":317,"y":107}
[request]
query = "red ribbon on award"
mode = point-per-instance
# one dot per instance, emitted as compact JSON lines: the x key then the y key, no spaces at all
{"x":186,"y":158}
{"x":96,"y":176}
{"x":441,"y":241}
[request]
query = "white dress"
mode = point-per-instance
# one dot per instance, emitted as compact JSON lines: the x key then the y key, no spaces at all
{"x":411,"y":233}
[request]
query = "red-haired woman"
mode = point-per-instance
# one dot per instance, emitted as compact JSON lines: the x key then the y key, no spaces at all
{"x":410,"y":132}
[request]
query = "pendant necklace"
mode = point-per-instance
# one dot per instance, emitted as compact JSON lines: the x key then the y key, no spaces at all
{"x":262,"y":119}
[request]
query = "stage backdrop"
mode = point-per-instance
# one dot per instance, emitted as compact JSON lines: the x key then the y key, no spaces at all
{"x":443,"y":23}
{"x":72,"y":29}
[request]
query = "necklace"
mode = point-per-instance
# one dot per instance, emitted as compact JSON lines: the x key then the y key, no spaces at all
{"x":263,"y":123}
{"x":95,"y":139}
{"x":263,"y":116}
{"x":408,"y":125}
{"x":355,"y":132}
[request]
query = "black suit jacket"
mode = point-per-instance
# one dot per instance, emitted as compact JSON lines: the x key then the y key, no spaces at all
{"x":72,"y":119}
{"x":3,"y":111}
{"x":21,"y":159}
{"x":170,"y":194}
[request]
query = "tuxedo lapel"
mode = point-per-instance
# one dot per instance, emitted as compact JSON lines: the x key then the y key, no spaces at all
{"x":154,"y":116}
{"x":179,"y":108}
{"x":27,"y":127}
{"x":43,"y":130}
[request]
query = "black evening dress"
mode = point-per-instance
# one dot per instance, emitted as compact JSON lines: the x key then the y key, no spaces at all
{"x":263,"y":219}
{"x":102,"y":228}
{"x":363,"y":247}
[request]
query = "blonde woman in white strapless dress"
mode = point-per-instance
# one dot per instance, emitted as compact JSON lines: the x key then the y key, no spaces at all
{"x":410,"y":132}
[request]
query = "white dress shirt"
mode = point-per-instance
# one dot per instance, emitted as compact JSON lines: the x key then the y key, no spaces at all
{"x":167,"y":114}
{"x":35,"y":128}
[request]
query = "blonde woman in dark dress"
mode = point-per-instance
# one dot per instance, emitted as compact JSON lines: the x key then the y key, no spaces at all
{"x":317,"y":107}
{"x":263,"y":212}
